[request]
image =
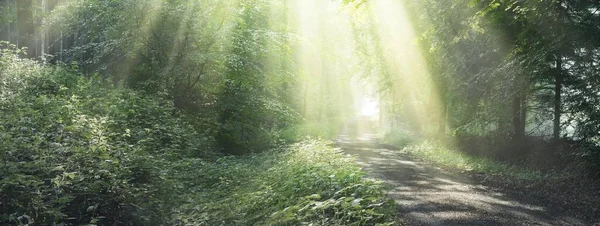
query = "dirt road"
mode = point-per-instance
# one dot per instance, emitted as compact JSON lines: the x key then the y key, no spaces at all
{"x":428,"y":195}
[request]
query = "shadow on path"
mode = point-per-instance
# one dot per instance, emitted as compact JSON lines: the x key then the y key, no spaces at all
{"x":428,"y":195}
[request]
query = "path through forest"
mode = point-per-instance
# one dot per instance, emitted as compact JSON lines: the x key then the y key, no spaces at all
{"x":427,"y":195}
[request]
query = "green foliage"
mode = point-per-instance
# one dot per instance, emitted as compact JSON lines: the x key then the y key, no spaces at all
{"x":251,"y":113}
{"x":76,"y":148}
{"x":305,"y":183}
{"x":245,"y":124}
{"x":7,"y":12}
{"x":399,"y":138}
{"x":441,"y":154}
{"x":513,"y":71}
{"x":79,"y":150}
{"x":308,"y":129}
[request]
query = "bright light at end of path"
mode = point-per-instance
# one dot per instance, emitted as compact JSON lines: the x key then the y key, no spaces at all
{"x":369,"y":108}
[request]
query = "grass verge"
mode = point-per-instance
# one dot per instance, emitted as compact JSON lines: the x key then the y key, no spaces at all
{"x":555,"y":190}
{"x":440,"y":154}
{"x":308,"y":183}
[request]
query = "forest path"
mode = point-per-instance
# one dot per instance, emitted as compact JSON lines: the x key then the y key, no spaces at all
{"x":428,"y":195}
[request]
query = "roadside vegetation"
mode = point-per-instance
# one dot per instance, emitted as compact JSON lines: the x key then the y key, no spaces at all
{"x":309,"y":182}
{"x":154,"y":112}
{"x":515,"y":94}
{"x":80,"y":150}
{"x":569,"y":187}
{"x":440,"y":154}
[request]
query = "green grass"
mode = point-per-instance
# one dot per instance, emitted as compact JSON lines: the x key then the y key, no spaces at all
{"x":301,"y":184}
{"x":438,"y":153}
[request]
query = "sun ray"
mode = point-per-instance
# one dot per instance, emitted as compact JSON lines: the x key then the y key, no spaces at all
{"x":406,"y":62}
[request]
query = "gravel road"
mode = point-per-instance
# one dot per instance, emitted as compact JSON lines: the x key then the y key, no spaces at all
{"x":428,"y":195}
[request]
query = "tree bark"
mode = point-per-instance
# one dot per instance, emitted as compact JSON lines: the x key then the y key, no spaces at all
{"x":523,"y":112}
{"x":43,"y":34}
{"x":519,"y":114}
{"x":305,"y":102}
{"x":25,"y":26}
{"x":517,"y":134}
{"x":6,"y":34}
{"x":443,"y":120}
{"x":558,"y":83}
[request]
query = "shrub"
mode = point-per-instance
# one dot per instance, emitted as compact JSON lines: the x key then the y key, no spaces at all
{"x":79,"y":150}
{"x":399,"y":138}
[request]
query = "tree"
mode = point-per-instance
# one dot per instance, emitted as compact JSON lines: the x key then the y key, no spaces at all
{"x":25,"y":25}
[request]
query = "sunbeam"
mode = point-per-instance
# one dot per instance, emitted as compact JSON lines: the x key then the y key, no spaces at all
{"x":406,"y":61}
{"x":299,"y":112}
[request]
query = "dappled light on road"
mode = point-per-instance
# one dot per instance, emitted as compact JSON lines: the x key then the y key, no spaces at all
{"x":428,"y":195}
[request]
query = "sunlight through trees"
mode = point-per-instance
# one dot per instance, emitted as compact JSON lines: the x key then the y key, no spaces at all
{"x":116,"y":88}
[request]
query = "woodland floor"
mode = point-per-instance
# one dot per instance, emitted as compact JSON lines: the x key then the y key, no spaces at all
{"x":429,"y":195}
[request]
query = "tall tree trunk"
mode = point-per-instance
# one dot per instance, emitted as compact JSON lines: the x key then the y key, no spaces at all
{"x":523,"y":111}
{"x":61,"y":46}
{"x":519,"y":115}
{"x":25,"y":26}
{"x":390,"y":112}
{"x":8,"y":23}
{"x":305,"y":102}
{"x":381,"y":113}
{"x":517,"y":134}
{"x":558,"y":83}
{"x":443,"y":120}
{"x":43,"y":34}
{"x":52,"y":34}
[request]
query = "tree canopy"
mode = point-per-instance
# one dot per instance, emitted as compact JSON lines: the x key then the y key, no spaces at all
{"x":106,"y":103}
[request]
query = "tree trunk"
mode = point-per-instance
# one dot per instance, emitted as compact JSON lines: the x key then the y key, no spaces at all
{"x":558,"y":83}
{"x":305,"y":102}
{"x":61,"y":48}
{"x":5,"y":34}
{"x":443,"y":120}
{"x":25,"y":25}
{"x":393,"y":112}
{"x":523,"y":112}
{"x":53,"y":37}
{"x":9,"y":24}
{"x":43,"y":34}
{"x":519,"y":115}
{"x":517,"y":134}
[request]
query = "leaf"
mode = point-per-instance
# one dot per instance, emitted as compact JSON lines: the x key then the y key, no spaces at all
{"x":91,"y":208}
{"x":314,"y":197}
{"x":70,"y":175}
{"x":356,"y":202}
{"x":59,"y":168}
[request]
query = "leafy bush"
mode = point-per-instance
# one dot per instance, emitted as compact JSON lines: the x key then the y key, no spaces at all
{"x":305,"y":183}
{"x":80,"y":150}
{"x":302,"y":130}
{"x":399,"y":137}
{"x":249,"y":123}
{"x":590,"y":154}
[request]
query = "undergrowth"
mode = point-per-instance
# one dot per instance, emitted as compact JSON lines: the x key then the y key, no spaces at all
{"x":306,"y":129}
{"x":443,"y":154}
{"x":439,"y":153}
{"x":78,"y":150}
{"x":307,"y":183}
